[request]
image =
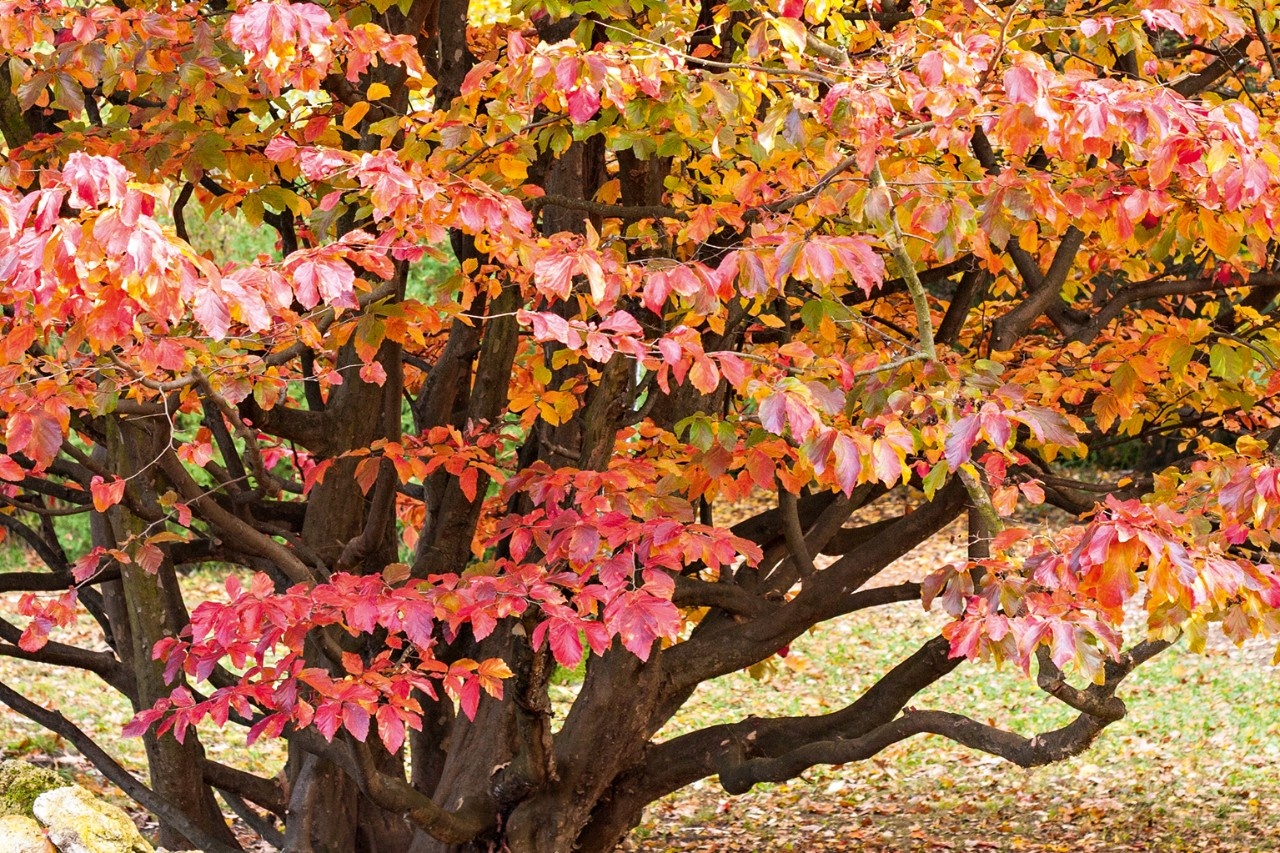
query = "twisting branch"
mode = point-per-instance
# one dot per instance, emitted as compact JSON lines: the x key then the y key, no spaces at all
{"x":1231,"y":57}
{"x":247,"y":537}
{"x":394,"y":794}
{"x":1098,"y":705}
{"x":266,"y":479}
{"x":46,"y":552}
{"x":1160,"y":288}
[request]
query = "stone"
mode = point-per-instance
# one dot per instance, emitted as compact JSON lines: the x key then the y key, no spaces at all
{"x":79,"y":822}
{"x":21,"y":782}
{"x":21,"y":834}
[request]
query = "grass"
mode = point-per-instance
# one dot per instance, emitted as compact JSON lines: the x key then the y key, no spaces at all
{"x":1190,"y":768}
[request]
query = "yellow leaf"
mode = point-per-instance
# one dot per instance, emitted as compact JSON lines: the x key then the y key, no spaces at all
{"x":792,"y":33}
{"x":609,"y":192}
{"x":353,"y":115}
{"x":513,"y":168}
{"x":378,"y":91}
{"x":1218,"y":235}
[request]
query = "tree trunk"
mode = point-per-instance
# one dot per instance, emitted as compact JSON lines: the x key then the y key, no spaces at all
{"x":327,"y":813}
{"x":176,"y":769}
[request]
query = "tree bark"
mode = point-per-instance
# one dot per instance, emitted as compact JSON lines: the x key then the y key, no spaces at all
{"x":176,"y":768}
{"x":346,"y":528}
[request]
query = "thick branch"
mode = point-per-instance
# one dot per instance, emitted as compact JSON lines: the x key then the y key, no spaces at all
{"x":394,"y":794}
{"x":1231,"y":58}
{"x":1156,"y":289}
{"x":263,"y":792}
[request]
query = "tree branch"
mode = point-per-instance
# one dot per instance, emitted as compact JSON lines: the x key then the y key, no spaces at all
{"x":1046,"y":748}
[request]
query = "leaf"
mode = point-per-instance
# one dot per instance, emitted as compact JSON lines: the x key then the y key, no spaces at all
{"x":848,"y":463}
{"x":888,"y":462}
{"x":773,"y":412}
{"x":373,"y":373}
{"x":355,"y":719}
{"x":212,"y":312}
{"x":1021,"y":85}
{"x":703,"y":374}
{"x":961,"y":437}
{"x":390,"y":728}
{"x":10,"y":470}
{"x":792,"y":32}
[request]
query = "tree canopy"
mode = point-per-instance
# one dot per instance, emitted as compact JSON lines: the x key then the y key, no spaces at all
{"x":556,"y":284}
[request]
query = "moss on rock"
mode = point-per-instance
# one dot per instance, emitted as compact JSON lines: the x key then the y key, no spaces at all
{"x":21,"y":782}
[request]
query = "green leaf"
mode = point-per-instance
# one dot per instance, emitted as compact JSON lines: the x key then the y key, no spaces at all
{"x":1225,"y":362}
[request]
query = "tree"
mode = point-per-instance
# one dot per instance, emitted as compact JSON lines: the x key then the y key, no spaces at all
{"x":554,"y":284}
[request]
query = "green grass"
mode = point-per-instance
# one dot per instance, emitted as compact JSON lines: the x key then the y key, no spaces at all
{"x":1190,"y":768}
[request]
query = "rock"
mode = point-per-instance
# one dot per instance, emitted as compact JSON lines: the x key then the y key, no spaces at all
{"x":21,"y":834}
{"x":79,"y":822}
{"x":21,"y":782}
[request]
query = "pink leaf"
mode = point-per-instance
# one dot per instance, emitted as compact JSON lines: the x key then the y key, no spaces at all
{"x":355,"y":719}
{"x":848,"y":461}
{"x":961,"y":437}
{"x":390,"y":728}
{"x":1021,"y":85}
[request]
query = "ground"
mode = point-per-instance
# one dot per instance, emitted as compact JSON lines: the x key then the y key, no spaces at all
{"x":1190,"y":769}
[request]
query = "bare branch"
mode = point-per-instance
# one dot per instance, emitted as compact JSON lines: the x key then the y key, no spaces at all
{"x":1046,"y":748}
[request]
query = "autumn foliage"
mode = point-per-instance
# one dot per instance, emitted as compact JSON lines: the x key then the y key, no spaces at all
{"x":556,"y":286}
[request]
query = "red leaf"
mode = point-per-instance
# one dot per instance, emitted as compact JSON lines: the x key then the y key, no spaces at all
{"x":34,"y":433}
{"x":328,"y":719}
{"x":36,"y":635}
{"x":468,"y":481}
{"x":149,"y":558}
{"x":10,"y":470}
{"x":106,"y":495}
{"x":373,"y":373}
{"x":792,"y":8}
{"x":566,"y":642}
